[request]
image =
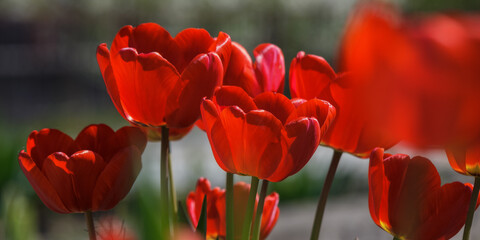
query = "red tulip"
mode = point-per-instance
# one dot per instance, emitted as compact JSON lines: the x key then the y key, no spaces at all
{"x":406,"y":199}
{"x":91,"y":173}
{"x":267,"y":74}
{"x":216,"y":209}
{"x":154,"y":79}
{"x":268,"y":136}
{"x":420,"y":72}
{"x":465,"y":160}
{"x":352,"y":131}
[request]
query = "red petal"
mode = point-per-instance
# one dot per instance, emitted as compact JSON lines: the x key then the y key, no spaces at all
{"x":85,"y":167}
{"x":123,"y":138}
{"x":240,"y":71}
{"x":269,"y":67}
{"x":310,"y":75}
{"x":378,"y":189}
{"x":45,"y":142}
{"x":144,"y":82}
{"x":195,"y":200}
{"x":270,"y":214}
{"x":94,"y":137}
{"x":234,"y":96}
{"x":192,"y":42}
{"x":40,"y":184}
{"x":322,"y":110}
{"x":117,"y":179}
{"x":277,"y":104}
{"x":103,"y":59}
{"x":223,"y":47}
{"x":198,"y":81}
{"x":303,"y":138}
{"x":57,"y":173}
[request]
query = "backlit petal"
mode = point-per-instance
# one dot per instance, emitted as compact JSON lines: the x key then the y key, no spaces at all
{"x":42,"y":143}
{"x":269,"y":67}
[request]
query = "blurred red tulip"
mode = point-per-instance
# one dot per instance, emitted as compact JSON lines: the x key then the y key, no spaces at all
{"x":268,"y":137}
{"x":91,"y":173}
{"x":154,"y":79}
{"x":406,"y":199}
{"x":420,"y":72}
{"x":267,"y":74}
{"x":465,"y":160}
{"x":216,"y":209}
{"x":110,"y":228}
{"x":352,"y":131}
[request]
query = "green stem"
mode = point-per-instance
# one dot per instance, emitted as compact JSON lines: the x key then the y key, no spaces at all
{"x":229,"y":210}
{"x":471,"y":209}
{"x":164,"y":182}
{"x":173,"y":193}
{"x":91,"y":227}
{"x":258,"y":216}
{"x":317,"y":224}
{"x":247,"y":221}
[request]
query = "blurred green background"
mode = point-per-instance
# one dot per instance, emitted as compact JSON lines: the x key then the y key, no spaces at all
{"x":50,"y":79}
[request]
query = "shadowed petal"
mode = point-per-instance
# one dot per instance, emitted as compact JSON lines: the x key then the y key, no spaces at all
{"x":94,"y":137}
{"x":40,"y":184}
{"x":234,"y":96}
{"x":117,"y":179}
{"x":223,"y":47}
{"x":192,"y":42}
{"x":240,"y":71}
{"x":42,"y":143}
{"x":322,"y":110}
{"x":279,"y":105}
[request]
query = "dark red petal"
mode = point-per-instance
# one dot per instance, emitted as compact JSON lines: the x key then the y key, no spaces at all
{"x":117,"y":179}
{"x":303,"y":137}
{"x":144,"y":82}
{"x":240,"y":71}
{"x":223,"y":47}
{"x":94,"y":137}
{"x":276,"y":103}
{"x":123,"y":39}
{"x":103,"y":59}
{"x":270,"y":214}
{"x":198,"y":81}
{"x":85,"y":167}
{"x":191,"y":42}
{"x":378,"y":189}
{"x":40,"y":184}
{"x":309,"y":76}
{"x":322,"y":110}
{"x":195,"y":200}
{"x":57,"y":173}
{"x":42,"y":143}
{"x":269,"y":67}
{"x":234,"y":96}
{"x":125,"y":137}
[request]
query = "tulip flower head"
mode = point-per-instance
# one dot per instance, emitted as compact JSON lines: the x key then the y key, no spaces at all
{"x":269,"y":136}
{"x":465,"y":160}
{"x":405,"y":198}
{"x":216,"y":209}
{"x":154,"y":79}
{"x":352,"y":131}
{"x":91,"y":173}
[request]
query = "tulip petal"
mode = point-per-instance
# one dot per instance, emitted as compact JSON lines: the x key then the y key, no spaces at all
{"x":223,"y":47}
{"x":144,"y":83}
{"x":240,"y":71}
{"x":85,"y":167}
{"x":195,"y":200}
{"x":57,"y":173}
{"x":269,"y":67}
{"x":117,"y":179}
{"x":192,"y":42}
{"x":103,"y":59}
{"x":270,"y":214}
{"x":303,"y":136}
{"x":310,"y":75}
{"x":322,"y":110}
{"x":279,"y":105}
{"x":234,"y":96}
{"x":125,"y":137}
{"x":94,"y":137}
{"x":40,"y":184}
{"x":41,"y":144}
{"x":378,"y":189}
{"x":198,"y":81}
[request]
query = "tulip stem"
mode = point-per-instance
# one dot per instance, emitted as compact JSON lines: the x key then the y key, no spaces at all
{"x":396,"y":238}
{"x":173,"y":193}
{"x":317,"y":224}
{"x":164,"y":183}
{"x":471,"y":209}
{"x":91,"y":227}
{"x":247,"y":222}
{"x":229,"y":206}
{"x":258,"y":216}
